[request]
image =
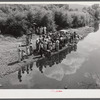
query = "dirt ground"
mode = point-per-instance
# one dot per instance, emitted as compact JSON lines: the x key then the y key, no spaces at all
{"x":8,"y":51}
{"x":9,"y":45}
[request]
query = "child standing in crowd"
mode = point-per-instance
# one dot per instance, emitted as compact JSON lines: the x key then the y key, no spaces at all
{"x":57,"y":45}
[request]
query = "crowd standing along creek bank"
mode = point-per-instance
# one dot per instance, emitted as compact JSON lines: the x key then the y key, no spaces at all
{"x":9,"y":52}
{"x":18,"y":20}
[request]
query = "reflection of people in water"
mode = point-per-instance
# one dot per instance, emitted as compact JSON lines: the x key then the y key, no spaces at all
{"x":19,"y":75}
{"x":27,"y":68}
{"x":75,"y":47}
{"x":96,"y":26}
{"x":55,"y":59}
{"x":23,"y":70}
{"x":40,"y":64}
{"x":40,"y":68}
{"x":31,"y":66}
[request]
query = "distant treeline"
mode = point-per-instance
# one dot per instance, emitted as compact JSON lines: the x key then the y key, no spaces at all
{"x":17,"y":19}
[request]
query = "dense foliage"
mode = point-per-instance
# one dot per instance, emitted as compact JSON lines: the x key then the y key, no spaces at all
{"x":16,"y":19}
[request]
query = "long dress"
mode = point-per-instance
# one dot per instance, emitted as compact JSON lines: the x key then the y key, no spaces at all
{"x":57,"y":45}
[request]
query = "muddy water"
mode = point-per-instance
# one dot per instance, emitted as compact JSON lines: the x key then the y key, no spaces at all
{"x":77,"y":67}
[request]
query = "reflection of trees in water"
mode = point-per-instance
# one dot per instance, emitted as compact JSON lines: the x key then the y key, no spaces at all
{"x":26,"y":69}
{"x":90,"y":85}
{"x":55,"y":59}
{"x":96,"y":26}
{"x":94,"y":84}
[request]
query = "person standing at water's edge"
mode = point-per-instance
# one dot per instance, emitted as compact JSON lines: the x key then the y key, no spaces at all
{"x":44,"y":30}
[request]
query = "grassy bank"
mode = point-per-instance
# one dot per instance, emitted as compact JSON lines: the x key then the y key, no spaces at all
{"x":8,"y":50}
{"x":84,"y":31}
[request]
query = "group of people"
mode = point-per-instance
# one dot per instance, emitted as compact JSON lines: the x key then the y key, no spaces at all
{"x":25,"y":49}
{"x":46,"y":43}
{"x":40,"y":30}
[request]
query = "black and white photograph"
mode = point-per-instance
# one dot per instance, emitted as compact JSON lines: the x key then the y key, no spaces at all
{"x":50,"y":46}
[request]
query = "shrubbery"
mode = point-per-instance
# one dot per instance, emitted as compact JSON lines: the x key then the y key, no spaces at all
{"x":17,"y":19}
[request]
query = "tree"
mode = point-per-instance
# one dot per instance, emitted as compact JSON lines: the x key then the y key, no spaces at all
{"x":48,"y":21}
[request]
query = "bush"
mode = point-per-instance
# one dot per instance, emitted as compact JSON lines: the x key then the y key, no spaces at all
{"x":18,"y":19}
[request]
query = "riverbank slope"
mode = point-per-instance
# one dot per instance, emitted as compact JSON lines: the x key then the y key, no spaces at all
{"x":8,"y":49}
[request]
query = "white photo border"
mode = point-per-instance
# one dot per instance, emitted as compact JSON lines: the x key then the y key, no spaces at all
{"x":50,"y":93}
